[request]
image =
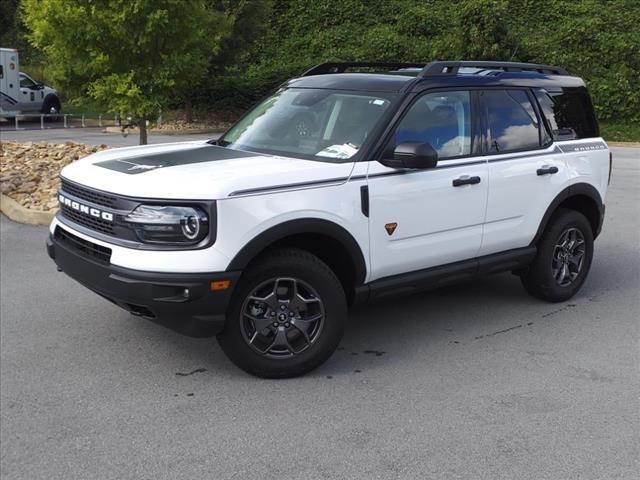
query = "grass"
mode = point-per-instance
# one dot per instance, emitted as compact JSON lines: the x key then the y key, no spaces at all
{"x":620,"y":131}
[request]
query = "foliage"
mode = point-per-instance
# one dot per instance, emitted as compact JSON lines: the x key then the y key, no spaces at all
{"x":596,"y":39}
{"x":264,"y":42}
{"x":620,"y":131}
{"x":130,"y":55}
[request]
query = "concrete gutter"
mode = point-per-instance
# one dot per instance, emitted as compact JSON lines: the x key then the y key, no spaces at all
{"x":20,"y":214}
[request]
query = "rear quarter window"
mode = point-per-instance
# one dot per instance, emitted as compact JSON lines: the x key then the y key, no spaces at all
{"x":568,"y":113}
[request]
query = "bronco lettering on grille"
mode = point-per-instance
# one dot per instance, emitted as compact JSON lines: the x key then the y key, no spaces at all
{"x":79,"y":207}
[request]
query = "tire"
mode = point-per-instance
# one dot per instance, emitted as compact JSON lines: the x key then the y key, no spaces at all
{"x":51,"y":105}
{"x":297,"y":287}
{"x":546,"y":278}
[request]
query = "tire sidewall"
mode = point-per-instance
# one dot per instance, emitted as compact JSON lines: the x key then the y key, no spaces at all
{"x":327,"y":286}
{"x":562,"y":221}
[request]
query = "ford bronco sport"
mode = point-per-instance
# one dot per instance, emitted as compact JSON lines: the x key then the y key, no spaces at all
{"x":338,"y":188}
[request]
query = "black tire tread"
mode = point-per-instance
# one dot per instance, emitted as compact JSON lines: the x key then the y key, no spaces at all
{"x":536,"y":280}
{"x":234,"y":346}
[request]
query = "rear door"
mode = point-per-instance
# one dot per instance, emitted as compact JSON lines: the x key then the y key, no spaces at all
{"x":526,"y":171}
{"x":426,"y":218}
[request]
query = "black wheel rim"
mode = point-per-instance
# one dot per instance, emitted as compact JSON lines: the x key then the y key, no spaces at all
{"x":282,"y":317}
{"x":568,"y":256}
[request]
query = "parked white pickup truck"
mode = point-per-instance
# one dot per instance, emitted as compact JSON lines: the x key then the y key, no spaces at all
{"x":19,"y":93}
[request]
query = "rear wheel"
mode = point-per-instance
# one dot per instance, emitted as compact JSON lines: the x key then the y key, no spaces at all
{"x":287,"y":315}
{"x":564,"y":258}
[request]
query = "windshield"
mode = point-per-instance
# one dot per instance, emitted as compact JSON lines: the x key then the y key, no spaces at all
{"x":317,"y":124}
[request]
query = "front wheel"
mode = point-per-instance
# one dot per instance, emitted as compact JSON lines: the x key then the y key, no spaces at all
{"x":564,"y":258}
{"x":286,"y":317}
{"x":51,"y":106}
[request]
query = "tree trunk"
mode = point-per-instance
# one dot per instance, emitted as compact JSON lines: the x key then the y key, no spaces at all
{"x":142,"y":126}
{"x":188,"y":110}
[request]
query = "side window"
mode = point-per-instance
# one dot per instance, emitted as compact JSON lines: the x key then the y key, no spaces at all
{"x":26,"y":82}
{"x":442,"y":119}
{"x":569,"y":113}
{"x":512,"y":121}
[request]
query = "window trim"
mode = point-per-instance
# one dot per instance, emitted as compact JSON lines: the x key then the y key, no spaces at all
{"x":487,"y":130}
{"x":405,"y":107}
{"x":542,"y":119}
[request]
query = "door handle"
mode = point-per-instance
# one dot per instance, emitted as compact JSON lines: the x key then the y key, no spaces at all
{"x":466,"y":180}
{"x":547,"y":170}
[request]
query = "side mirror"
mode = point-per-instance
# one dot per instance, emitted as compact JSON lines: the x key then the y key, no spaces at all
{"x":412,"y":155}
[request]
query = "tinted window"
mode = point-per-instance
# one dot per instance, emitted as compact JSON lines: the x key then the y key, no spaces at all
{"x":441,"y":119}
{"x":512,"y":121}
{"x":569,"y":113}
{"x":26,"y":82}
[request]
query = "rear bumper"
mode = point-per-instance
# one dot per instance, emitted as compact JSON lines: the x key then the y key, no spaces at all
{"x":182,"y":302}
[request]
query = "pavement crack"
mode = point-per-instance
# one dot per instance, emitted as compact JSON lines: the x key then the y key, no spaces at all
{"x":562,"y":309}
{"x":377,"y":353}
{"x":197,"y":370}
{"x":499,"y":332}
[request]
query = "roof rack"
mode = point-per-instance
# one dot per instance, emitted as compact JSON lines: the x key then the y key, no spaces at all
{"x":340,"y":67}
{"x":451,"y":68}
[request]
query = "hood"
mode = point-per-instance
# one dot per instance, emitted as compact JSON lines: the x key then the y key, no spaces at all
{"x":194,"y":170}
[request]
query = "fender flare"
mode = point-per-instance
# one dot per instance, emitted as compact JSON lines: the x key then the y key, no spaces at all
{"x":571,"y":191}
{"x":303,"y":225}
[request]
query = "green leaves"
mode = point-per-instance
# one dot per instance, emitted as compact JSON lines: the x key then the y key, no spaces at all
{"x":135,"y":56}
{"x":596,"y":39}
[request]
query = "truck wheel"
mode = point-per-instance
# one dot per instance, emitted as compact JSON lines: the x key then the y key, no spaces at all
{"x":51,"y":106}
{"x":286,"y":317}
{"x":564,"y":258}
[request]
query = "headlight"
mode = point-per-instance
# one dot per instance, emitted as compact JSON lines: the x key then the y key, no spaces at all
{"x":168,"y":224}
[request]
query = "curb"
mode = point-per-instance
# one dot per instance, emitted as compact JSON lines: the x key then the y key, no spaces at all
{"x":20,"y":214}
{"x":193,"y":131}
{"x":155,"y":131}
{"x":624,"y":144}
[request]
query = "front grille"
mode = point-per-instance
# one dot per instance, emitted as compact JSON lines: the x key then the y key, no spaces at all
{"x":93,"y":196}
{"x":88,"y":249}
{"x":89,"y":221}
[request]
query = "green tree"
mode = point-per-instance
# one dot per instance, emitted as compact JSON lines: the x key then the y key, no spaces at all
{"x":133,"y":56}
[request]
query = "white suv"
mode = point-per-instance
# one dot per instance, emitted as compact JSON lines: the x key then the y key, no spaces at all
{"x":338,"y":188}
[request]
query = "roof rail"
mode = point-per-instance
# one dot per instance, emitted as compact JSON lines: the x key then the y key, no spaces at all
{"x":340,"y":67}
{"x":451,"y":68}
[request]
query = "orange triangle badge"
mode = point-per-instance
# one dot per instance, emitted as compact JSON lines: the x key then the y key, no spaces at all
{"x":390,"y":228}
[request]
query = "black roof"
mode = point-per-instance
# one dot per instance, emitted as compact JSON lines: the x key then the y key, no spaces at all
{"x":403,"y":77}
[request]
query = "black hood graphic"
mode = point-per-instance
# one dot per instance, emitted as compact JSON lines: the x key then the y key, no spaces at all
{"x":153,"y":161}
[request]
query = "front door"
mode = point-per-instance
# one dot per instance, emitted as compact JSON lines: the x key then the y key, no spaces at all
{"x":30,"y":95}
{"x":426,"y":218}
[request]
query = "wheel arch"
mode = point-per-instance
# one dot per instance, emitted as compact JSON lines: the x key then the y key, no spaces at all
{"x":581,"y":197}
{"x":51,"y":97}
{"x":329,"y":241}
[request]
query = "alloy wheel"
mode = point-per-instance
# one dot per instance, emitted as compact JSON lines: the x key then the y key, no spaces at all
{"x":568,"y":256}
{"x":282,"y":317}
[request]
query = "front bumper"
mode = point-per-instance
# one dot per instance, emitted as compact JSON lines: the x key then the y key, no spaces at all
{"x":183,"y":302}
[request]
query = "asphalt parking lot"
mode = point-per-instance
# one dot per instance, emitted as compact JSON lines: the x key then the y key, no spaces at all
{"x":477,"y":381}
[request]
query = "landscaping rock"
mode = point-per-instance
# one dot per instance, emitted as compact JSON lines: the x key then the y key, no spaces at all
{"x":29,"y":171}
